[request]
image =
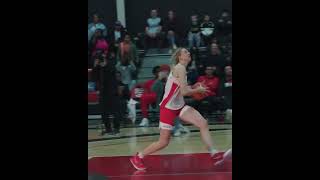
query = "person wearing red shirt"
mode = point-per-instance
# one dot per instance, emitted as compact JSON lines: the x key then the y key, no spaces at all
{"x":143,"y":93}
{"x":211,"y":81}
{"x":149,"y":97}
{"x":98,"y":44}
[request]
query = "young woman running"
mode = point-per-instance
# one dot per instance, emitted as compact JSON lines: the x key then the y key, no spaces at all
{"x":173,"y":105}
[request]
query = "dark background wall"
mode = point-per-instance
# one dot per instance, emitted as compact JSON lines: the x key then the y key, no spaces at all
{"x":137,"y":11}
{"x":106,"y":8}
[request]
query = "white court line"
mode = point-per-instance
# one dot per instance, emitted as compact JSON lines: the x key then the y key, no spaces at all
{"x":90,"y":157}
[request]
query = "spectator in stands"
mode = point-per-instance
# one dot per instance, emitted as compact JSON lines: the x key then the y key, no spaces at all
{"x":211,"y":81}
{"x":179,"y":128}
{"x":116,"y":35}
{"x":98,"y":43}
{"x":214,"y":40}
{"x":153,"y":30}
{"x":194,"y":38}
{"x":127,"y":50}
{"x":104,"y":75}
{"x":148,"y":97}
{"x":126,"y":64}
{"x":224,"y":24}
{"x":227,"y":52}
{"x":229,"y":57}
{"x":215,"y":58}
{"x":136,"y":94}
{"x":225,"y":90}
{"x":171,"y":30}
{"x":207,"y":30}
{"x":96,"y":24}
{"x":197,"y":62}
{"x":158,"y":85}
{"x":192,"y":75}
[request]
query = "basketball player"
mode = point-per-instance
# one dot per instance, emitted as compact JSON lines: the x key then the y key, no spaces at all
{"x":173,"y":105}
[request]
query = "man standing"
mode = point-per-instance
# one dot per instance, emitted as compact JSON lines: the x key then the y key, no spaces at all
{"x":104,"y":72}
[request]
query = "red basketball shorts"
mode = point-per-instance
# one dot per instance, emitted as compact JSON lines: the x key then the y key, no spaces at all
{"x":167,"y":117}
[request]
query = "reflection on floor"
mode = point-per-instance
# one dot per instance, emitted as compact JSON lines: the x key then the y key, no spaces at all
{"x":187,"y":143}
{"x":184,"y":158}
{"x":174,"y":166}
{"x":94,"y":134}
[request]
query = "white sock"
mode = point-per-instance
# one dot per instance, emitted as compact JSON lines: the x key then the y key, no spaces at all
{"x":228,"y":154}
{"x":212,"y":151}
{"x":140,"y":155}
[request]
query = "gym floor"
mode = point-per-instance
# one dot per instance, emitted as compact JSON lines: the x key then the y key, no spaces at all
{"x":185,"y":157}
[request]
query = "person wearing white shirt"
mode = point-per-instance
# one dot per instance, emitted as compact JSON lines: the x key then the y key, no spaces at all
{"x":96,"y":24}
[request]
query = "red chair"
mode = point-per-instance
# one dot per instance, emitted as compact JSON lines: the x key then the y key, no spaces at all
{"x":93,"y":97}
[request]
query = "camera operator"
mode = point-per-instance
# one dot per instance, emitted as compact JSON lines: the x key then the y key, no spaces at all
{"x":105,"y":76}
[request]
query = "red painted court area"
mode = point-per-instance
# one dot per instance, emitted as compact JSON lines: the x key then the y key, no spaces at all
{"x":167,"y":167}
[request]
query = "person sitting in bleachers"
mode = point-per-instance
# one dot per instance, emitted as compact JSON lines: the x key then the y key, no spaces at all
{"x":159,"y":84}
{"x":224,"y":24}
{"x":194,"y":38}
{"x":148,"y":93}
{"x":116,"y":35}
{"x":96,"y":24}
{"x":127,"y":56}
{"x":216,"y":58}
{"x":211,"y":81}
{"x":142,"y":92}
{"x":98,"y":43}
{"x":127,"y":49}
{"x":225,"y":91}
{"x":192,"y":74}
{"x":171,"y":30}
{"x":153,"y":30}
{"x":207,"y":30}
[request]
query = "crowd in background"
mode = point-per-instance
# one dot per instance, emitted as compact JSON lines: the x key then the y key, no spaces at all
{"x":113,"y":60}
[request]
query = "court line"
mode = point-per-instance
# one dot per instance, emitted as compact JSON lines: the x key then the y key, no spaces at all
{"x":113,"y":156}
{"x":125,"y":142}
{"x":128,"y":127}
{"x":145,"y":135}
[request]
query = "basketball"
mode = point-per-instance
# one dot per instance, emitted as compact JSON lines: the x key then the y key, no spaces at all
{"x":198,"y":96}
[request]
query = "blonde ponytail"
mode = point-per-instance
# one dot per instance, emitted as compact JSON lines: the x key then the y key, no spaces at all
{"x":175,"y":56}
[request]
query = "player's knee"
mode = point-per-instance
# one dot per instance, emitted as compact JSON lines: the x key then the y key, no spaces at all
{"x":163,"y":143}
{"x":203,"y":124}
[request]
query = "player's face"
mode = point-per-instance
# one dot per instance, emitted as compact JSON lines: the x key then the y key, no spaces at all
{"x":185,"y":56}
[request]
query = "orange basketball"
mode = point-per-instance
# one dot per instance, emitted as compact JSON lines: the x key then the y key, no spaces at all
{"x":198,"y":96}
